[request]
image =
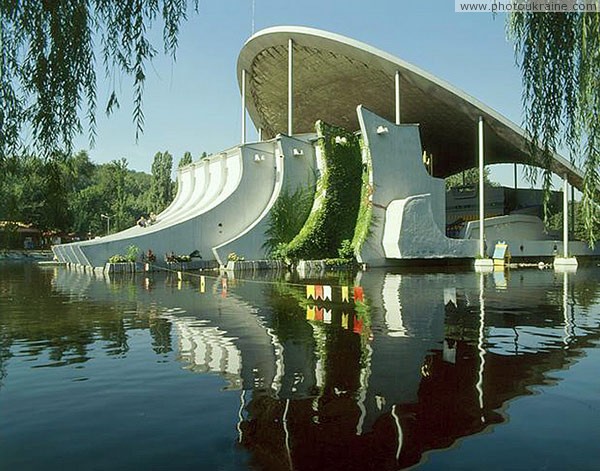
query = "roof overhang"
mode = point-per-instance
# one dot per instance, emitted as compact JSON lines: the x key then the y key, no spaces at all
{"x":333,"y":74}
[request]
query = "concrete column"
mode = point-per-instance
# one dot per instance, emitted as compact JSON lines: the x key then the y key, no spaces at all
{"x":243,"y":106}
{"x":565,"y":263}
{"x":481,"y":190}
{"x":566,"y":217}
{"x":290,"y":85}
{"x":397,"y":97}
{"x":515,"y":172}
{"x":572,"y":212}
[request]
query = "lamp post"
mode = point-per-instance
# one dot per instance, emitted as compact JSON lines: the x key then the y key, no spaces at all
{"x":104,"y":216}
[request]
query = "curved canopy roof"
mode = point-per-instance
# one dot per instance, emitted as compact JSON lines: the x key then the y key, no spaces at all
{"x":333,"y":74}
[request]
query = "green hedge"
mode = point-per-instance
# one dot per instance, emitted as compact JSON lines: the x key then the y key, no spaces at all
{"x":337,"y":197}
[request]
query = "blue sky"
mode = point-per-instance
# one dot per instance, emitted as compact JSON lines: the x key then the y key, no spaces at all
{"x":194,"y":104}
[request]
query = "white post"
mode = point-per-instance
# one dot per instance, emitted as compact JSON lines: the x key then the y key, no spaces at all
{"x":290,"y":84}
{"x":572,"y":227}
{"x":481,"y":189}
{"x":397,"y":97}
{"x":260,"y":134}
{"x":565,"y":263}
{"x":566,"y":217}
{"x":243,"y":106}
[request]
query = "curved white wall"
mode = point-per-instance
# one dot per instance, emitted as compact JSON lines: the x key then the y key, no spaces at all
{"x":294,"y":167}
{"x":409,"y":205}
{"x":219,"y":199}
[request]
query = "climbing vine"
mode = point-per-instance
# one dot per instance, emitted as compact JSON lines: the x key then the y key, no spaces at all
{"x":365,"y":211}
{"x":337,"y":198}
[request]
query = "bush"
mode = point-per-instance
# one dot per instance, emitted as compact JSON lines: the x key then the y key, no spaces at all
{"x":346,"y":250}
{"x":233,"y":257}
{"x":280,"y":252}
{"x":132,"y":253}
{"x":118,"y":258}
{"x":173,"y":258}
{"x":287,"y":217}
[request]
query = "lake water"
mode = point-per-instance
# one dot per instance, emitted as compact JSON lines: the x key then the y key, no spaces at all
{"x":437,"y":371}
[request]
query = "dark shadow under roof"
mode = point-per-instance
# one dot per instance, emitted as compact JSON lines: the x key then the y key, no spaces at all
{"x":334,"y":74}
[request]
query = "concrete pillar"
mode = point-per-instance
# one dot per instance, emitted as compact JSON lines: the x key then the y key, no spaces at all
{"x":565,"y":263}
{"x":566,"y":217}
{"x":397,"y":97}
{"x":572,"y":212}
{"x":290,"y":85}
{"x":481,"y":189}
{"x":243,"y":106}
{"x":482,"y":263}
{"x":515,"y":173}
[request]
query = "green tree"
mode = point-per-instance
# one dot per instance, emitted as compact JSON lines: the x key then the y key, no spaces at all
{"x":161,"y":192}
{"x":33,"y":191}
{"x":86,"y":206}
{"x":119,"y":180}
{"x":55,"y":212}
{"x":24,"y":190}
{"x":555,"y":222}
{"x":49,"y":57}
{"x":69,"y":193}
{"x":114,"y":190}
{"x":468,"y":177}
{"x":559,"y":57}
{"x":186,"y":159}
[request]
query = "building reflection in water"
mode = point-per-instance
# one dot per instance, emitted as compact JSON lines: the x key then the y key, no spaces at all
{"x":424,"y":360}
{"x":439,"y":357}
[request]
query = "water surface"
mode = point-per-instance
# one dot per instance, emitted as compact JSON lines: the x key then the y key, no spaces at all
{"x":432,"y":370}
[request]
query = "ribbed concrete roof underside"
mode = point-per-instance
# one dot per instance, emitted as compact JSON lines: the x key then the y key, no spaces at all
{"x":332,"y":75}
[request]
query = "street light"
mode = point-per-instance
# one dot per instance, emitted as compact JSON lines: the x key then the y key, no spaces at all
{"x":104,"y":216}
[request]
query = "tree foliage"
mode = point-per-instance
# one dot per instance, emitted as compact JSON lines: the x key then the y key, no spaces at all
{"x":559,"y":56}
{"x":49,"y":58}
{"x":468,"y":177}
{"x":185,"y":160}
{"x":555,"y":223}
{"x":69,"y":193}
{"x":161,"y":192}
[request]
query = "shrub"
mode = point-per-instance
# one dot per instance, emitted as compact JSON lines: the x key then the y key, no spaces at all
{"x":287,"y":217}
{"x":132,"y":253}
{"x":346,"y":251}
{"x":118,"y":258}
{"x":233,"y":257}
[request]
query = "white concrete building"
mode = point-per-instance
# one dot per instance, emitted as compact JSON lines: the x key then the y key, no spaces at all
{"x":291,"y":77}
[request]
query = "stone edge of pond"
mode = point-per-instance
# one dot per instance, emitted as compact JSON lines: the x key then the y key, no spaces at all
{"x":25,"y":255}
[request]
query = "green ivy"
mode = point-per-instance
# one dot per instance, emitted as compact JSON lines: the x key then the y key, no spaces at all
{"x":365,"y":211}
{"x":337,"y":196}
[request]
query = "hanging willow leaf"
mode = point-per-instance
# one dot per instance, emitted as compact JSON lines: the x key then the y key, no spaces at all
{"x":48,"y":64}
{"x":559,"y":57}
